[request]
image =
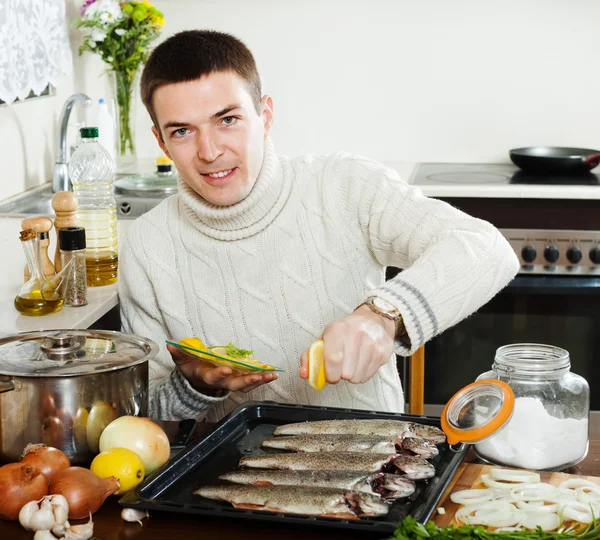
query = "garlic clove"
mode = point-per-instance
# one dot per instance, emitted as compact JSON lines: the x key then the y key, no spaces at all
{"x":132,"y":515}
{"x":43,"y":519}
{"x":59,"y":500}
{"x":44,"y":535}
{"x":26,"y":513}
{"x":60,"y":529}
{"x":80,"y":532}
{"x":60,"y":515}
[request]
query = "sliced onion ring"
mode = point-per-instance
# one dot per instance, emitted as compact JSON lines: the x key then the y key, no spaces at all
{"x":471,"y":496}
{"x":514,"y":475}
{"x":588,"y":494}
{"x":574,"y":483}
{"x":490,"y":482}
{"x":533,"y":492}
{"x":548,"y":521}
{"x":491,"y":514}
{"x":537,"y":506}
{"x":578,"y":511}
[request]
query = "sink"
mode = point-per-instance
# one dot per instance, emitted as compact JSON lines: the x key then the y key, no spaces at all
{"x":36,"y":202}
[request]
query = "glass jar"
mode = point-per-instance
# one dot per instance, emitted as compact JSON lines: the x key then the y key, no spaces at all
{"x":548,"y":429}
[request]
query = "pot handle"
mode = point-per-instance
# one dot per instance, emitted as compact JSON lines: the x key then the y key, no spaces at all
{"x":6,"y":386}
{"x":593,"y":160}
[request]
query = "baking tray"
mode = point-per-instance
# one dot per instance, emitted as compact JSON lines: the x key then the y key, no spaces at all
{"x":241,"y":433}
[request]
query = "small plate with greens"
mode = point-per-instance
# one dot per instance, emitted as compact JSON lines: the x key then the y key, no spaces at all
{"x":222,"y":355}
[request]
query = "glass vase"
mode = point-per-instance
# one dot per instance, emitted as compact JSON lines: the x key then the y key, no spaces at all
{"x":124,"y":89}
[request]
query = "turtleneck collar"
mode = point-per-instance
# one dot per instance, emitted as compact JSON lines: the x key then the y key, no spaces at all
{"x":248,"y":217}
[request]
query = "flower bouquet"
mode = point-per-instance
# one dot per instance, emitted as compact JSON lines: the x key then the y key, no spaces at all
{"x":121,"y":33}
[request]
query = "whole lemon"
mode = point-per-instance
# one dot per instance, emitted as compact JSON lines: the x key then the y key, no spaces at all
{"x":123,"y":464}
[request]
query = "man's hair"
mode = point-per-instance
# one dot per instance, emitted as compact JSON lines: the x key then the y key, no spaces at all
{"x":190,"y":55}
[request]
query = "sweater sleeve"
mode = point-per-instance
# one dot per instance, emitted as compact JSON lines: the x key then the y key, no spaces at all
{"x":452,"y":263}
{"x":171,"y":397}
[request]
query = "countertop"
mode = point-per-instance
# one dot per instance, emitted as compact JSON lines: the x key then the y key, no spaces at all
{"x":100,"y":299}
{"x":160,"y":525}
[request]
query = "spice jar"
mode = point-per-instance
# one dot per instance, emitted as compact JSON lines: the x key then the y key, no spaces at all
{"x":72,"y":247}
{"x":529,"y":411}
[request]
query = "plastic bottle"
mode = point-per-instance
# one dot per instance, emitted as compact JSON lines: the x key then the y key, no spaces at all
{"x":91,"y":171}
{"x":106,"y":128}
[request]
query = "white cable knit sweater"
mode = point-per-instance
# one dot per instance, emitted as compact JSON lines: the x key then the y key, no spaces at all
{"x":306,"y":246}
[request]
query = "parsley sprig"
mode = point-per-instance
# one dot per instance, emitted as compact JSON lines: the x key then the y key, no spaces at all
{"x":232,"y":350}
{"x":410,"y":529}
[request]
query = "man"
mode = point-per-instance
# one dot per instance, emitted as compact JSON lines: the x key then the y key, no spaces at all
{"x":272,"y":253}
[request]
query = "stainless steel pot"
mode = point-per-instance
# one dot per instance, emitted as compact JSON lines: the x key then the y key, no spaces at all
{"x":63,"y":387}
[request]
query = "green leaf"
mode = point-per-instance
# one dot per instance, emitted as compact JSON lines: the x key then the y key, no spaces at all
{"x":410,"y":529}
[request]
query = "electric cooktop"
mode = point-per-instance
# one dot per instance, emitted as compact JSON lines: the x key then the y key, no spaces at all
{"x":491,"y":173}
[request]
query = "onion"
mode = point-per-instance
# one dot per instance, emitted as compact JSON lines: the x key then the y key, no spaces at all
{"x":588,"y":494}
{"x":548,"y":521}
{"x":140,"y":435}
{"x":578,"y":511}
{"x":47,"y":459}
{"x":471,"y":496}
{"x":84,"y":491}
{"x":573,"y":483}
{"x":493,"y":514}
{"x":20,"y":483}
{"x":537,"y":506}
{"x":532,"y":492}
{"x":512,"y":475}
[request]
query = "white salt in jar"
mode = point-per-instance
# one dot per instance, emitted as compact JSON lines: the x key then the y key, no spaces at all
{"x":548,"y":429}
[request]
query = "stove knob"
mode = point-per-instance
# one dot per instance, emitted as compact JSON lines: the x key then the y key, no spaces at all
{"x":551,"y":254}
{"x":595,"y":255}
{"x":528,"y":253}
{"x":574,"y":255}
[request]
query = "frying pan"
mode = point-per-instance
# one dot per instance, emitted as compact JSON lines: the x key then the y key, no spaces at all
{"x":555,"y":159}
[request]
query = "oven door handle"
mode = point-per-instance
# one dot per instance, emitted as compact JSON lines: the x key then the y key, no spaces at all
{"x":554,"y":285}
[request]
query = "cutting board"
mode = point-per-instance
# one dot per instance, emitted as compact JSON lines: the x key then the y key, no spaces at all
{"x":468,"y":477}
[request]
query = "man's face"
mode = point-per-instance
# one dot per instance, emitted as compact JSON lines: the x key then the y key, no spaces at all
{"x":211,"y":130}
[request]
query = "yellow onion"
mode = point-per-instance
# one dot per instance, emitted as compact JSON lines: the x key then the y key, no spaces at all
{"x":140,"y":435}
{"x":84,"y":491}
{"x":20,"y":483}
{"x":47,"y":459}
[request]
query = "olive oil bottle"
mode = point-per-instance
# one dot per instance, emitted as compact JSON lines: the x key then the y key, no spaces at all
{"x":91,"y":171}
{"x":39,"y":295}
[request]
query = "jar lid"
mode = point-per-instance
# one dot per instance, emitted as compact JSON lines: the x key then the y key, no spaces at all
{"x":477,"y":411}
{"x":71,"y":238}
{"x":67,"y":353}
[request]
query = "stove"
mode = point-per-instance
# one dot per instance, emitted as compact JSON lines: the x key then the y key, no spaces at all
{"x":476,"y":174}
{"x":551,"y":221}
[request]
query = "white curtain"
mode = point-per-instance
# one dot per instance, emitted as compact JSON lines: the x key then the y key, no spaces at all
{"x":34,"y":46}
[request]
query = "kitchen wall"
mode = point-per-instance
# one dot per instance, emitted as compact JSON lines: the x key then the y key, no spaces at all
{"x":415,"y":80}
{"x":397,"y":80}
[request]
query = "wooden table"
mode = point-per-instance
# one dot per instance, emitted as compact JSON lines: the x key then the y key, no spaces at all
{"x":170,"y":526}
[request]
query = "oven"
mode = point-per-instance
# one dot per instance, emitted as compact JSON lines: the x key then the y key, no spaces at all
{"x":554,"y":299}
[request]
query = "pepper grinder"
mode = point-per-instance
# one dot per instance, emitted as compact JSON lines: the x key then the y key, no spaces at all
{"x":64,"y":204}
{"x":41,"y":225}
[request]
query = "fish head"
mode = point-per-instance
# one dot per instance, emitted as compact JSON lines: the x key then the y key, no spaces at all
{"x":364,"y":504}
{"x":429,"y":433}
{"x":415,"y":467}
{"x":421,"y":447}
{"x":397,"y":487}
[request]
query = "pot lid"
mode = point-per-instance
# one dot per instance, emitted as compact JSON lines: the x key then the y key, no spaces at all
{"x":478,"y":411}
{"x":147,"y":184}
{"x":67,"y":353}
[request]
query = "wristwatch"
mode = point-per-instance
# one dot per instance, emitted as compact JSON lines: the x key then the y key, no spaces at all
{"x":389,"y":311}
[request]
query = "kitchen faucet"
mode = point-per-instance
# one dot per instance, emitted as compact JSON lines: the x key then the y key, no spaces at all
{"x":60,"y":173}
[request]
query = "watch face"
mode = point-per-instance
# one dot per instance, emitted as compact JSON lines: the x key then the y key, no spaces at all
{"x":383,"y":305}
